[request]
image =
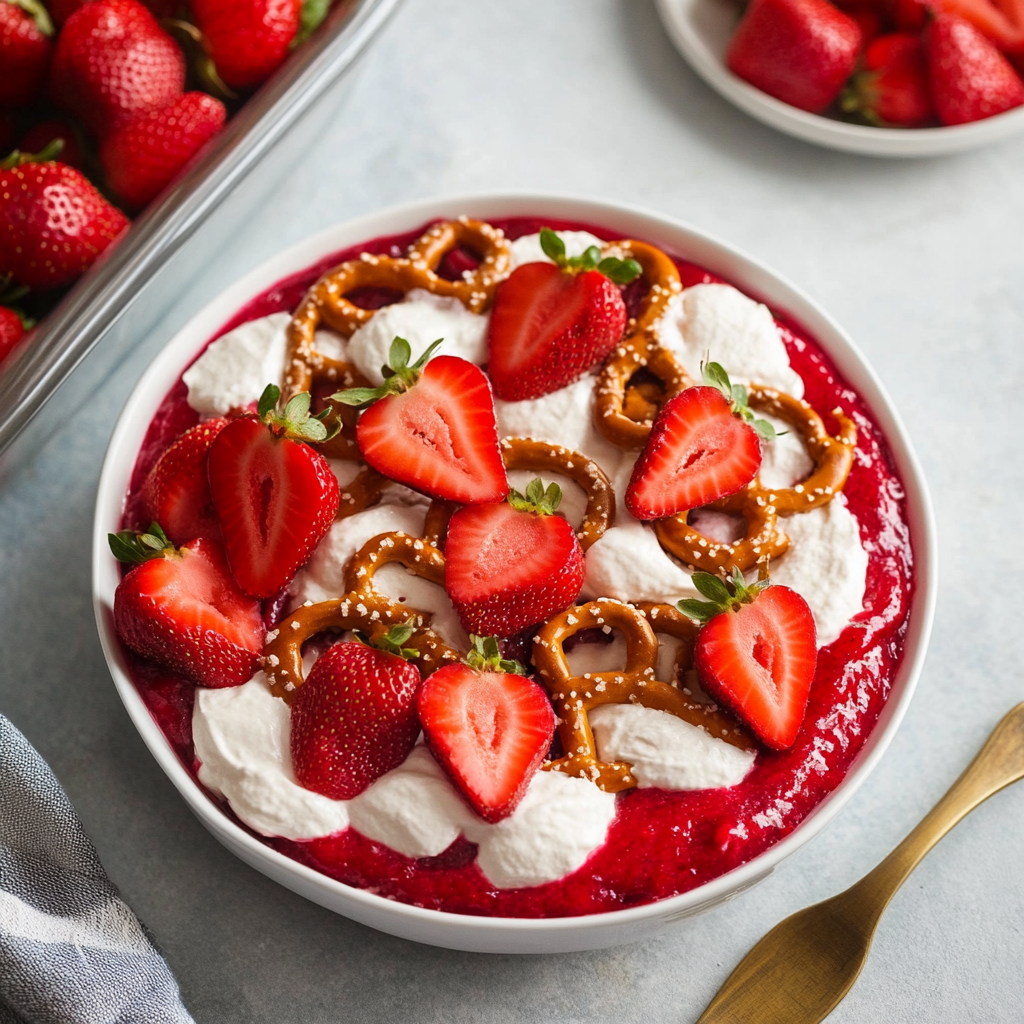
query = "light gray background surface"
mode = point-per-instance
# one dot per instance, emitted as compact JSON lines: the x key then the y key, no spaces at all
{"x":921,"y":261}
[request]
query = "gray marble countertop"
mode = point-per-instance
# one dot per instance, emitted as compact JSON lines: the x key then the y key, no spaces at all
{"x":921,"y":261}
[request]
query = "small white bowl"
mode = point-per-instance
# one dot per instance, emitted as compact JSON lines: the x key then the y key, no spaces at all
{"x":701,"y":30}
{"x":459,"y":931}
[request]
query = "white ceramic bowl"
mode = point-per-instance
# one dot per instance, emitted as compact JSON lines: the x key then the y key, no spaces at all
{"x":457,"y":931}
{"x":701,"y":30}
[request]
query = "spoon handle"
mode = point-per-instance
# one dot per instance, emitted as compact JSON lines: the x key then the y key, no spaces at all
{"x":999,"y":763}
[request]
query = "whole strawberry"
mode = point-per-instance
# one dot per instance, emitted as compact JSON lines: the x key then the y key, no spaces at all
{"x":275,"y":496}
{"x":893,"y":87}
{"x":247,"y":40}
{"x":114,"y":62}
{"x":25,"y":30}
{"x":181,"y":608}
{"x":799,"y":51}
{"x":143,"y":156}
{"x":53,"y":223}
{"x":512,"y":564}
{"x":552,"y":322}
{"x":12,"y":330}
{"x":970,"y":79}
{"x":354,"y":718}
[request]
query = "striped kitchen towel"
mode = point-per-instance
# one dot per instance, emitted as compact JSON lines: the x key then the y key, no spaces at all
{"x":71,"y":951}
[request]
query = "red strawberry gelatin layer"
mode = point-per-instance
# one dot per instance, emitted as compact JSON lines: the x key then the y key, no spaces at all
{"x":661,"y":842}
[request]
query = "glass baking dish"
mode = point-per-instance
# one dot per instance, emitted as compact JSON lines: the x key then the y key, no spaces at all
{"x":101,"y":319}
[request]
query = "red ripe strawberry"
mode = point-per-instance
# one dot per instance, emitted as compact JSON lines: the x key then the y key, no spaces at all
{"x":893,"y":88}
{"x":275,"y":496}
{"x":25,"y":30}
{"x":177,"y":492}
{"x":53,"y":223}
{"x":799,"y":51}
{"x":909,"y":15}
{"x":44,"y":133}
{"x":143,"y":156}
{"x":755,"y":653}
{"x":970,"y":79}
{"x":12,"y":330}
{"x":247,"y":39}
{"x":354,"y":718}
{"x":551,"y":322}
{"x":431,"y":426}
{"x":488,"y":727}
{"x":113,"y":62}
{"x":182,"y":608}
{"x":702,"y":447}
{"x":512,"y":564}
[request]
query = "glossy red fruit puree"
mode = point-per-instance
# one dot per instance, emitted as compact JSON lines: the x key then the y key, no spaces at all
{"x":661,"y":843}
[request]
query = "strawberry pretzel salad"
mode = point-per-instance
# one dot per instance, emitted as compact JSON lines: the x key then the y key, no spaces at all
{"x":514,"y":569}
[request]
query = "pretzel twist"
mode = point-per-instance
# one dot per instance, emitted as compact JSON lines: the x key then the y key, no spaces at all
{"x":574,"y":696}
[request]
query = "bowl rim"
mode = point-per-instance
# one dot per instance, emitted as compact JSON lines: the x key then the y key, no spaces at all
{"x":854,"y":138}
{"x":706,"y":249}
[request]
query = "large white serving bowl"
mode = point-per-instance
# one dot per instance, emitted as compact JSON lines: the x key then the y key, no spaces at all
{"x":488,"y":934}
{"x":701,"y":30}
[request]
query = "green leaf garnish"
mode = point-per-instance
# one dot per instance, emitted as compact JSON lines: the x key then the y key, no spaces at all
{"x":398,"y":375}
{"x":294,"y":421}
{"x":135,"y":547}
{"x":723,"y":595}
{"x":616,"y":270}
{"x":536,"y":499}
{"x":485,"y":656}
{"x":392,"y":640}
{"x":714,"y":376}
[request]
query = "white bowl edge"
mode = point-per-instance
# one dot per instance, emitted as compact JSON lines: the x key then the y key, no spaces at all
{"x":476,"y":933}
{"x":699,"y":30}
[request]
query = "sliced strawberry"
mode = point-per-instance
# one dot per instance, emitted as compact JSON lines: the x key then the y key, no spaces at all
{"x":275,"y":496}
{"x":552,"y":322}
{"x":182,"y":608}
{"x":431,"y":426}
{"x":488,"y":727}
{"x":702,"y":447}
{"x":512,"y":564}
{"x":755,"y":653}
{"x":12,"y":330}
{"x":177,"y":492}
{"x":354,"y":718}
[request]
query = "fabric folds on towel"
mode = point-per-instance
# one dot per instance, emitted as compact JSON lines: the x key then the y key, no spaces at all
{"x":71,"y":951}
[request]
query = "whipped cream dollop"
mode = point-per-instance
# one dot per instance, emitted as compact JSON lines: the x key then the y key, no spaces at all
{"x":242,"y":739}
{"x":720,"y":323}
{"x":421,"y":318}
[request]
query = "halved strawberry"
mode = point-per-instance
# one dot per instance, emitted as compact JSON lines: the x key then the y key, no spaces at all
{"x":552,"y":322}
{"x":512,"y":564}
{"x":431,"y":426}
{"x":488,"y":727}
{"x":755,"y":653}
{"x":354,"y":718}
{"x":701,"y":448}
{"x":182,"y":608}
{"x":275,"y":496}
{"x":177,"y":492}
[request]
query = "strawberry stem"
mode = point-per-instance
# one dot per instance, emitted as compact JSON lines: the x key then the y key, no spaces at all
{"x":48,"y":153}
{"x":617,"y":271}
{"x":310,"y":17}
{"x":38,"y":13}
{"x":135,"y":547}
{"x":398,"y":375}
{"x":392,"y":640}
{"x":294,"y":421}
{"x":728,"y":595}
{"x":537,"y":499}
{"x":485,"y":656}
{"x":714,"y":376}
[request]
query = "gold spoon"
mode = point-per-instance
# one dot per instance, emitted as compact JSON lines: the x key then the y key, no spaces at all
{"x":800,"y":971}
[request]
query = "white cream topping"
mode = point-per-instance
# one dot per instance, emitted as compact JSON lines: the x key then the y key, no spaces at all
{"x":564,"y":419}
{"x":826,"y":564}
{"x":241,"y":736}
{"x":785,"y":461}
{"x":242,"y":739}
{"x":527,"y":249}
{"x":396,"y":582}
{"x":235,"y":369}
{"x":421,"y":319}
{"x":720,"y":322}
{"x":664,"y":750}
